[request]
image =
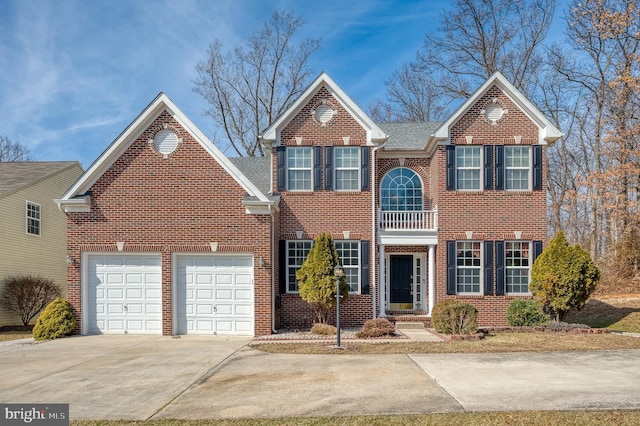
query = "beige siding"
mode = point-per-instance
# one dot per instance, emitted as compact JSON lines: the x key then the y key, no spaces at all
{"x":21,"y":253}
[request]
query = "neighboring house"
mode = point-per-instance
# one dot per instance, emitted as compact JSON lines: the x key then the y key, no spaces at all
{"x":170,"y":236}
{"x":34,"y":230}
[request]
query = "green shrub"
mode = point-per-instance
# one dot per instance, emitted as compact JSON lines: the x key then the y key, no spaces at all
{"x":376,"y":328}
{"x":525,"y":312}
{"x":563,"y":277}
{"x":323,"y":329}
{"x":57,"y":320}
{"x":453,"y":317}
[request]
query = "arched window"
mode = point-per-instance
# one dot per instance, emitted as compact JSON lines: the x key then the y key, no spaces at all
{"x":401,"y":190}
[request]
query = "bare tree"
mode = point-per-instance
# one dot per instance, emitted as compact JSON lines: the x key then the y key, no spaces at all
{"x":13,"y":151}
{"x":474,"y":39}
{"x":251,"y":86}
{"x":27,"y":295}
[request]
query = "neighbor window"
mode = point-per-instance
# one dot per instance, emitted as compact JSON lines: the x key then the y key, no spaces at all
{"x":518,"y":269}
{"x":468,"y":266}
{"x":297,"y":252}
{"x":347,"y":168}
{"x":349,"y":252}
{"x":517,"y":165}
{"x":468,"y":166}
{"x":299,"y":166}
{"x":33,"y":218}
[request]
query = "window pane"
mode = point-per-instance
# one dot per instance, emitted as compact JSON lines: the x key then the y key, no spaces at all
{"x":347,"y":168}
{"x":400,"y":190}
{"x":299,"y":169}
{"x":468,"y":167}
{"x":349,"y":252}
{"x":468,"y":266}
{"x":297,"y":252}
{"x":33,"y":219}
{"x":518,"y":266}
{"x":517,"y":167}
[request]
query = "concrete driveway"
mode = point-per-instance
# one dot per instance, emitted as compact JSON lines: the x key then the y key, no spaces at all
{"x":141,"y":377}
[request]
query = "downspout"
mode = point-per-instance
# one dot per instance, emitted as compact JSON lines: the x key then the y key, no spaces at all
{"x":374,"y":227}
{"x":273,"y":270}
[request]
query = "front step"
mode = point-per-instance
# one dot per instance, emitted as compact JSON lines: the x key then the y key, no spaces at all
{"x":410,"y":321}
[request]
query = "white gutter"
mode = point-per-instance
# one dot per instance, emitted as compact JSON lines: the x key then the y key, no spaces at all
{"x":374,"y":227}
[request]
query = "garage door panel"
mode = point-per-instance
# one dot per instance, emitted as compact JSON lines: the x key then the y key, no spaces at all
{"x":206,"y":294}
{"x":124,"y":294}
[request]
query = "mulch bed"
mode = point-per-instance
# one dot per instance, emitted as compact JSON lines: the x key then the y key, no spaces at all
{"x":345,"y":334}
{"x":25,"y":328}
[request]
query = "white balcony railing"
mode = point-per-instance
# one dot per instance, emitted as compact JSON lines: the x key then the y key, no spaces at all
{"x":415,"y":220}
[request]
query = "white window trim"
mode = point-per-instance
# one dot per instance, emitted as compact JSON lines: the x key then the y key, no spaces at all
{"x":337,"y":169}
{"x":310,"y":169}
{"x":480,"y":269}
{"x":529,"y":169}
{"x":506,"y":267}
{"x":480,"y":168}
{"x":357,"y":267}
{"x":38,"y":220}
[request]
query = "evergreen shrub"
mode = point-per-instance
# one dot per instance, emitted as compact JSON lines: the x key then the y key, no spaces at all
{"x":57,"y":320}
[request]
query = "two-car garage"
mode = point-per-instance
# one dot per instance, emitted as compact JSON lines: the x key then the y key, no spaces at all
{"x":210,"y":294}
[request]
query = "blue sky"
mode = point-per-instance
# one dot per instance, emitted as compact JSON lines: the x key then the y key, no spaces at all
{"x":76,"y":73}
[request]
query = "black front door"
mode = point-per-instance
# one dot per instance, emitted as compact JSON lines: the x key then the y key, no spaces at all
{"x":401,"y":278}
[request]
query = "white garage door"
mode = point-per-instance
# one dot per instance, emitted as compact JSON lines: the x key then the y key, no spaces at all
{"x":215,"y":295}
{"x":124,"y":294}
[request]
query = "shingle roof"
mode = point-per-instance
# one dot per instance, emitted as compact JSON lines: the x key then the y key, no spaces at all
{"x":15,"y":175}
{"x":256,"y":169}
{"x":407,"y":136}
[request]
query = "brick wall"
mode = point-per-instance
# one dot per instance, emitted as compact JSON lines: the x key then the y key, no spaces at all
{"x":170,"y":205}
{"x":490,"y":215}
{"x":324,"y":211}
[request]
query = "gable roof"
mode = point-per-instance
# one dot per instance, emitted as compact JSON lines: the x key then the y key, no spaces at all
{"x":412,"y":136}
{"x":548,"y":133}
{"x":375,"y":135}
{"x":18,"y":175}
{"x":77,"y":199}
{"x":256,"y":169}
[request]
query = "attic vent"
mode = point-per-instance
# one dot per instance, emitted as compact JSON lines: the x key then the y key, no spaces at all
{"x":166,"y":142}
{"x":324,"y":113}
{"x":494,"y":112}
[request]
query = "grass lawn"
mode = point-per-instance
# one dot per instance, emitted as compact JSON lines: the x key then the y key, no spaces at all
{"x":619,"y":418}
{"x":619,"y":313}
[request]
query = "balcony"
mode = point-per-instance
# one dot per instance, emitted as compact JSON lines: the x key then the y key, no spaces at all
{"x":413,"y":220}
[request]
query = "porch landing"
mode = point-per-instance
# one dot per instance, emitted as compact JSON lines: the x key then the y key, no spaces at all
{"x":404,"y":320}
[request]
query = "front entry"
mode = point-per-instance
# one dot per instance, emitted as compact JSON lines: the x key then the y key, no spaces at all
{"x":401,"y":281}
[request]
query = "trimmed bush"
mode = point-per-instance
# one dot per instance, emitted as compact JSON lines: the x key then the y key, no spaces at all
{"x":376,"y":328}
{"x":563,"y":277}
{"x":453,"y":317}
{"x":57,"y":320}
{"x":525,"y":312}
{"x":323,"y":329}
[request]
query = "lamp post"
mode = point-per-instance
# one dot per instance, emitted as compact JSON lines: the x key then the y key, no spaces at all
{"x":339,"y":273}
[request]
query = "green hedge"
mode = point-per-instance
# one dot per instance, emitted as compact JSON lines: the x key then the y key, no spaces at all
{"x":57,"y":320}
{"x":453,"y":317}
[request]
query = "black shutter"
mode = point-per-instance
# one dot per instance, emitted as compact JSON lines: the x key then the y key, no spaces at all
{"x":451,"y":267}
{"x":364,"y":266}
{"x":317,"y":168}
{"x":451,"y":167}
{"x":281,"y":158}
{"x":328,"y":168}
{"x":499,"y":167}
{"x":488,"y":268}
{"x":500,"y":268}
{"x":282,"y":274}
{"x":365,"y":170}
{"x":488,"y":167}
{"x":537,"y":167}
{"x":537,"y":249}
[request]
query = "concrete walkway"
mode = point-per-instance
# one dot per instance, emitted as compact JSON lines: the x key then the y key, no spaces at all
{"x":142,"y":377}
